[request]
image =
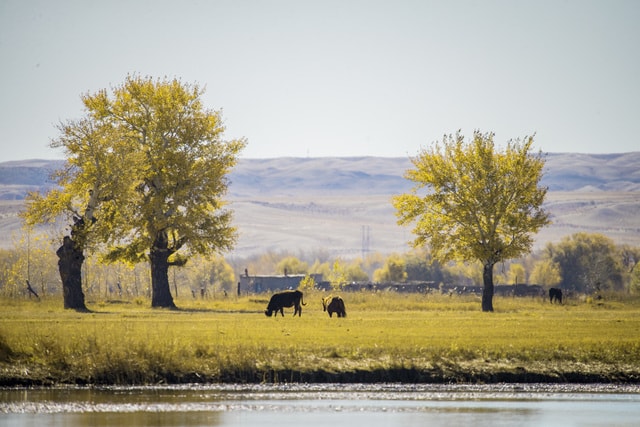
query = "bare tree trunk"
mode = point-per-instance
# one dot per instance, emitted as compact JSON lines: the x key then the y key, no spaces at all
{"x":159,"y":259}
{"x":71,"y":257}
{"x":70,"y":262}
{"x":487,"y":291}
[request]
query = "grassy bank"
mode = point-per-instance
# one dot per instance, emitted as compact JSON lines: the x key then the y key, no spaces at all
{"x":385,"y":337}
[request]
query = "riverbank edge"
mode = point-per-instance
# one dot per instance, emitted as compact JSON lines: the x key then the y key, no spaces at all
{"x":438,"y":375}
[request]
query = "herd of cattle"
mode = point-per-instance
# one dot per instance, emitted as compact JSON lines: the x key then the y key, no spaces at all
{"x":335,"y":304}
{"x":287,"y":299}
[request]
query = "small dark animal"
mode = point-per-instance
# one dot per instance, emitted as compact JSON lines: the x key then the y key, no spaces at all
{"x":285,"y":299}
{"x":332,"y":305}
{"x":555,"y":294}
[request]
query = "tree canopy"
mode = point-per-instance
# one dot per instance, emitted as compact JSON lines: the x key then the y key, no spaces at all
{"x":146,"y":170}
{"x":472,"y":201}
{"x":589,"y":263}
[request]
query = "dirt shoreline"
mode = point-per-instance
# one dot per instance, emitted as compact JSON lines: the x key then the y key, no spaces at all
{"x":449,"y":375}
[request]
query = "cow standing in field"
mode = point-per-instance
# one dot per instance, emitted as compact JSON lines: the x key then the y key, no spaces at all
{"x":285,"y":299}
{"x":555,"y":294}
{"x":332,"y":305}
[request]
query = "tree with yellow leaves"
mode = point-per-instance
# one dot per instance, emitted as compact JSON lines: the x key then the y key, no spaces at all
{"x":143,"y":181}
{"x":472,"y":201}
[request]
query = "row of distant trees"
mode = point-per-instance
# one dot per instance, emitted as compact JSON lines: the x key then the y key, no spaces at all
{"x":585,"y":263}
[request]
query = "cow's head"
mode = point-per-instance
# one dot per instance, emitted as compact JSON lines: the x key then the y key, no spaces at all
{"x":268,"y":313}
{"x":325,"y":301}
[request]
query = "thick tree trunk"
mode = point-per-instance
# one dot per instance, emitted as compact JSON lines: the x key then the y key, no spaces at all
{"x":159,"y":259}
{"x":70,"y":262}
{"x":487,"y":291}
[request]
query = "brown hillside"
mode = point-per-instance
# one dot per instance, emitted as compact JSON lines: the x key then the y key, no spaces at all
{"x":330,"y":204}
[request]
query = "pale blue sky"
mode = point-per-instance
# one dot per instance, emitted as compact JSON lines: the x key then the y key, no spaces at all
{"x":337,"y":78}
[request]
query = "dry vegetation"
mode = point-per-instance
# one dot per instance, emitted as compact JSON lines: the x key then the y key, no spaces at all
{"x":385,"y":337}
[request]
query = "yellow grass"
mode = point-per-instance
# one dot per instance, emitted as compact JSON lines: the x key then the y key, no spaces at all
{"x":385,"y":337}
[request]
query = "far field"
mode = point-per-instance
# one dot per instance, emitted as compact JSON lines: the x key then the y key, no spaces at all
{"x":334,"y":224}
{"x":324,"y":204}
{"x":385,"y":337}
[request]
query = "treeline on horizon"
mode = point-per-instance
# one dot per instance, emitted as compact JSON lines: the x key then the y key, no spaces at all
{"x":583,"y":263}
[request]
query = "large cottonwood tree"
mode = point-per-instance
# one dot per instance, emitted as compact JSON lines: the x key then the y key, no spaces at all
{"x":472,"y":201}
{"x":94,"y":171}
{"x":152,"y":187}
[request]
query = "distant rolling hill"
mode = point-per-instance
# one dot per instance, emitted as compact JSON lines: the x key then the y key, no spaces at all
{"x":342,"y":205}
{"x":384,"y":175}
{"x":593,"y":172}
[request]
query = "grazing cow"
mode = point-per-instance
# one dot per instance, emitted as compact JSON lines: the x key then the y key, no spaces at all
{"x":555,"y":294}
{"x":285,"y":299}
{"x":332,"y":305}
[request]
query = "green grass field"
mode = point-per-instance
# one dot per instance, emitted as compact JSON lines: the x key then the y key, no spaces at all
{"x":385,"y":337}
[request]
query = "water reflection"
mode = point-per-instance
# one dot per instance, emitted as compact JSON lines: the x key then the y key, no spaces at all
{"x":321,"y":405}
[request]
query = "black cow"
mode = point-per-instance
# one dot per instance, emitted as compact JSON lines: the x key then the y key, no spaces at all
{"x":334,"y":305}
{"x":285,"y":299}
{"x":555,"y":294}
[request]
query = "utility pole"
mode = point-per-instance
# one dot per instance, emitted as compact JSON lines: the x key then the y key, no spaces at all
{"x":366,"y":240}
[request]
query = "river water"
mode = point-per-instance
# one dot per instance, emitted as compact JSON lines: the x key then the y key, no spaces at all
{"x":309,"y":405}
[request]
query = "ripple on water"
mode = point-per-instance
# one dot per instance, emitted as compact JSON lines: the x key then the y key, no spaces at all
{"x":370,"y":398}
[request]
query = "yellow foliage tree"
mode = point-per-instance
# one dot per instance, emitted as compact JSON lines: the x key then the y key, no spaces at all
{"x":546,"y":273}
{"x":392,"y":271}
{"x":472,"y":201}
{"x":292,"y":265}
{"x":145,"y":175}
{"x":516,"y":274}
